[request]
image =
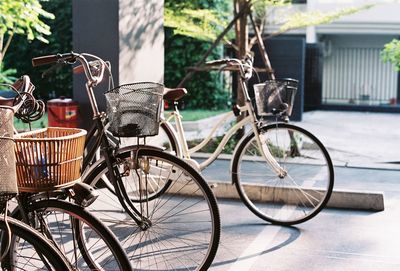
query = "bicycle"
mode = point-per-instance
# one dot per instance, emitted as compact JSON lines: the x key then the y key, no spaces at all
{"x":40,"y":164}
{"x":281,"y":172}
{"x":161,"y":209}
{"x":21,"y":247}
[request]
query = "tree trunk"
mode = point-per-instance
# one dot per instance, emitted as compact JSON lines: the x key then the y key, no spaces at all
{"x":242,"y":41}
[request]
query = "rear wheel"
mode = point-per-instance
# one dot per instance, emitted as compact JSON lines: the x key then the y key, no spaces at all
{"x":298,"y":195}
{"x":182,"y":218}
{"x":164,"y":140}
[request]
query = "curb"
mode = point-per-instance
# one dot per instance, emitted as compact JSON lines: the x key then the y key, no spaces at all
{"x":341,"y":199}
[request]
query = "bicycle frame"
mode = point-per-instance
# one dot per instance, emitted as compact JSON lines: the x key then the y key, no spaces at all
{"x":98,"y":135}
{"x":185,"y":152}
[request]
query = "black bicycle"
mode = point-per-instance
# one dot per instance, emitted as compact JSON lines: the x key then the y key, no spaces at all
{"x":161,"y":209}
{"x":31,"y":168}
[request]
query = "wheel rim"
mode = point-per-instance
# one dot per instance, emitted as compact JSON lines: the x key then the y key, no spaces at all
{"x":300,"y":194}
{"x":77,"y":240}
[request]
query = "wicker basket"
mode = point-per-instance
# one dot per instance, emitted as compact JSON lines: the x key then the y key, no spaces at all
{"x":49,"y":158}
{"x":134,"y":109}
{"x":275,"y":96}
{"x":8,"y":179}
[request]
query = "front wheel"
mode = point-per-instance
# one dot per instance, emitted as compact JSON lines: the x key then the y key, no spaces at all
{"x":180,"y":212}
{"x":86,"y":242}
{"x":28,"y":250}
{"x":293,"y":197}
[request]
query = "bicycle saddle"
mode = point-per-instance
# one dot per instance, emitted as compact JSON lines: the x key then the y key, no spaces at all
{"x":174,"y":94}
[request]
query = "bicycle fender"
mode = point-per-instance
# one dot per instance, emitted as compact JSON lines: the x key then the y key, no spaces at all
{"x":249,"y":133}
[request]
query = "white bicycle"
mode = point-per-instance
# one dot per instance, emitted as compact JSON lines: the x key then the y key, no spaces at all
{"x":288,"y":165}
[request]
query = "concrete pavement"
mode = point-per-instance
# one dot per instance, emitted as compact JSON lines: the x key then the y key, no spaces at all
{"x":354,"y":140}
{"x":365,"y":151}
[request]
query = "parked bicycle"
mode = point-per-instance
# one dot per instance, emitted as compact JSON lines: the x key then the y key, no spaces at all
{"x":282,"y":172}
{"x":21,"y":247}
{"x":162,"y":210}
{"x":47,"y":166}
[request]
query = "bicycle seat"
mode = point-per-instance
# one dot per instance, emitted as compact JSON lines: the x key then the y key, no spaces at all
{"x":174,"y":94}
{"x":6,"y":101}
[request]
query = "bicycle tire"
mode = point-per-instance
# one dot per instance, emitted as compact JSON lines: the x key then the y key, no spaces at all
{"x":33,"y":244}
{"x":94,"y":246}
{"x":177,"y":216}
{"x":286,"y":200}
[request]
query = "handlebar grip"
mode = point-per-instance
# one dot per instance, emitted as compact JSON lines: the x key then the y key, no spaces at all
{"x":44,"y":60}
{"x":50,"y":59}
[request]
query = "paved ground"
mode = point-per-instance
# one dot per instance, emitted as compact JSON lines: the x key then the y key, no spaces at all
{"x":365,"y":151}
{"x":361,"y":145}
{"x":357,"y":138}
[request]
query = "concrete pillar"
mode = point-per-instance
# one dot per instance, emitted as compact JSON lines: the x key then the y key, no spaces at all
{"x":128,"y":33}
{"x":141,"y":41}
{"x":311,"y":33}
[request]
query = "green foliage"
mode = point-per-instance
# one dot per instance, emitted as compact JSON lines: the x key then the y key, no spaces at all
{"x":193,"y":115}
{"x":205,"y":90}
{"x":310,"y":18}
{"x":7,"y":76}
{"x":199,"y":19}
{"x":201,"y":24}
{"x":213,"y":144}
{"x":391,"y":53}
{"x":22,"y":18}
{"x":260,"y":7}
{"x":57,"y":81}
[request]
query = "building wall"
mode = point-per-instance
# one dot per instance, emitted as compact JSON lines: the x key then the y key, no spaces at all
{"x":353,"y":72}
{"x":141,"y":41}
{"x":128,"y":33}
{"x":94,"y":31}
{"x":380,"y":19}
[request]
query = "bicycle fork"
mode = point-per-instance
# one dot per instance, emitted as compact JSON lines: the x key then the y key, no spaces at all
{"x":121,"y":193}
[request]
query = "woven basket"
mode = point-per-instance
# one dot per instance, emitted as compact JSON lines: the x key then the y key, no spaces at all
{"x":8,"y":179}
{"x":48,"y":159}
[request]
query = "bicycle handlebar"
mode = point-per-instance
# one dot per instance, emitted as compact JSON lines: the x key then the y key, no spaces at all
{"x":245,"y":65}
{"x":70,"y":58}
{"x":51,"y":59}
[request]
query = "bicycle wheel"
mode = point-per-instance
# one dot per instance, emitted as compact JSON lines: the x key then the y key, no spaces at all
{"x":28,"y":249}
{"x":301,"y":193}
{"x":86,"y":242}
{"x":183,"y":220}
{"x":165,"y":139}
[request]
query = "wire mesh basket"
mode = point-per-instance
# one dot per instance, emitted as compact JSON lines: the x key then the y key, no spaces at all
{"x":49,"y":158}
{"x":8,"y":178}
{"x":275,"y":96}
{"x":134,"y":109}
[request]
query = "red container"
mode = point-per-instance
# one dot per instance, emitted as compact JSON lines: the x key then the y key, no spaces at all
{"x":62,"y":112}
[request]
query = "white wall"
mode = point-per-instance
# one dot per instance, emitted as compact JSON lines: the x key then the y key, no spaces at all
{"x":141,"y":41}
{"x":382,"y":18}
